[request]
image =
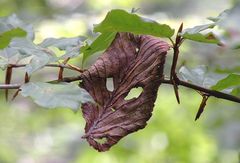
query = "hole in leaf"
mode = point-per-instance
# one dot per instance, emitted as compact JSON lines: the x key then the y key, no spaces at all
{"x":134,"y":93}
{"x":113,"y":109}
{"x":137,"y":50}
{"x":101,"y":140}
{"x":109,"y":84}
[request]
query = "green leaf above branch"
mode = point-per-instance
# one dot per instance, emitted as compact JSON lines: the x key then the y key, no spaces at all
{"x":122,"y":21}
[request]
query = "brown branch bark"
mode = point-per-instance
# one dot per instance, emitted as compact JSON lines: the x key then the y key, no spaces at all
{"x":65,"y":79}
{"x":70,"y":67}
{"x":173,"y":74}
{"x":210,"y":92}
{"x":10,"y":86}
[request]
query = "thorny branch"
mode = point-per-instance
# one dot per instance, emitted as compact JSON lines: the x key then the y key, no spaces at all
{"x":10,"y":68}
{"x":210,"y":92}
{"x":67,"y":66}
{"x":173,"y":75}
{"x":174,"y":80}
{"x":213,"y":93}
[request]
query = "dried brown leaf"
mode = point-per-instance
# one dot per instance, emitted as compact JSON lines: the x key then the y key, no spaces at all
{"x":132,"y":61}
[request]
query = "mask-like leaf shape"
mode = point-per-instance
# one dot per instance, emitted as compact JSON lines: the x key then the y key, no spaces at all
{"x":131,"y":61}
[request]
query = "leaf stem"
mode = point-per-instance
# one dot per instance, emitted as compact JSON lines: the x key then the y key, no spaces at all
{"x":171,"y":40}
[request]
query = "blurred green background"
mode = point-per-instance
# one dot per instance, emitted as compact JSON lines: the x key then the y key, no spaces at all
{"x":29,"y":134}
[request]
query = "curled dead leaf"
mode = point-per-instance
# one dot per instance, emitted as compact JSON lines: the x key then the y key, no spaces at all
{"x":131,"y":61}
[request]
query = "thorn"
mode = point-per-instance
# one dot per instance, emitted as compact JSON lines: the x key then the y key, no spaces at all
{"x":66,"y":60}
{"x":175,"y":87}
{"x":61,"y":69}
{"x":60,"y":73}
{"x":75,"y":68}
{"x":6,"y":95}
{"x":8,"y":77}
{"x":15,"y":94}
{"x":202,"y":106}
{"x":200,"y":111}
{"x":176,"y":93}
{"x":27,"y":78}
{"x":179,"y":38}
{"x":180,"y":28}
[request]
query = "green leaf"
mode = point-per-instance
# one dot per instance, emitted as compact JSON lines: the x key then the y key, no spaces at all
{"x":220,"y":17}
{"x":3,"y":63}
{"x":56,"y":95}
{"x":71,"y":46}
{"x":38,"y":61}
{"x":195,"y":76}
{"x":62,"y":43}
{"x":11,"y":27}
{"x":21,"y":48}
{"x":195,"y":34}
{"x":12,"y":21}
{"x":229,"y":81}
{"x":199,"y":76}
{"x":236,"y":91}
{"x":7,"y":36}
{"x":198,"y":28}
{"x":228,"y":70}
{"x":99,"y":44}
{"x":204,"y":38}
{"x":71,"y":52}
{"x":8,"y":56}
{"x":121,"y":21}
{"x":229,"y":22}
{"x":40,"y":56}
{"x":229,"y":19}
